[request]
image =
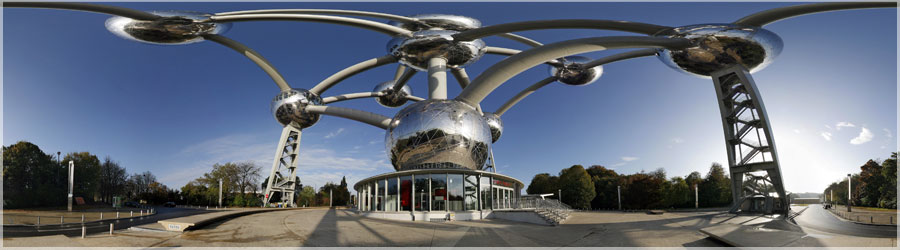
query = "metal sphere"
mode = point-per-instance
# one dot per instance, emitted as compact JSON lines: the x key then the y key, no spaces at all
{"x":392,"y":99}
{"x":176,"y":27}
{"x":572,"y":71}
{"x":415,"y":51}
{"x":438,"y":134}
{"x":718,"y":46}
{"x":493,"y":121}
{"x":289,"y":107}
{"x":439,"y":21}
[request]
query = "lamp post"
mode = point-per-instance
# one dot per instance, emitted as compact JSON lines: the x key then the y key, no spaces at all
{"x":560,"y":195}
{"x":696,"y":197}
{"x":220,"y":192}
{"x":619,"y":193}
{"x":849,"y":191}
{"x":71,"y":183}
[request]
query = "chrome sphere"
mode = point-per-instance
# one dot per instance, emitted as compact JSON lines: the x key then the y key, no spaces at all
{"x":717,"y":46}
{"x":392,"y":99}
{"x":438,"y":134}
{"x":439,"y":21}
{"x":493,"y":121}
{"x":415,"y":51}
{"x":572,"y":72}
{"x":289,"y":107}
{"x":176,"y":27}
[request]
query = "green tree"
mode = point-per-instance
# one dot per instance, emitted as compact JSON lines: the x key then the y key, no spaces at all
{"x":577,"y":188}
{"x":307,"y":197}
{"x":543,"y":183}
{"x":871,"y":183}
{"x":889,"y":189}
{"x":679,"y":194}
{"x":715,"y":189}
{"x":30,"y":177}
{"x":112,"y":179}
{"x":87,"y":174}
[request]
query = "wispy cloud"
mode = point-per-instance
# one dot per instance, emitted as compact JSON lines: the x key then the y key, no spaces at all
{"x":864,"y":136}
{"x":797,"y":131}
{"x":625,"y":160}
{"x":839,"y":125}
{"x":826,"y":135}
{"x":335,"y":133}
{"x":828,"y":127}
{"x":677,"y":140}
{"x":887,"y":133}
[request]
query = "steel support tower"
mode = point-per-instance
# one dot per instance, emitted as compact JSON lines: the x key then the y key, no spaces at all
{"x":749,"y":143}
{"x":287,"y":155}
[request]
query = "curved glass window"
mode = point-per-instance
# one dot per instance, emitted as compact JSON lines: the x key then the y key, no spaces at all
{"x":439,"y":192}
{"x":421,"y":199}
{"x":379,"y":191}
{"x":390,"y":198}
{"x":406,"y":193}
{"x":455,"y":192}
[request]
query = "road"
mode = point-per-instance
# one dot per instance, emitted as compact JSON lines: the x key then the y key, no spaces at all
{"x":816,"y":217}
{"x":73,"y":229}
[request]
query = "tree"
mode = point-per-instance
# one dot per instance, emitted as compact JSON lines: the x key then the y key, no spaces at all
{"x":679,"y":193}
{"x":247,"y":174}
{"x":871,"y":183}
{"x":601,"y":171}
{"x":889,"y":189}
{"x":715,"y":189}
{"x":30,"y":177}
{"x":577,"y":187}
{"x":112,"y":179}
{"x":307,"y":197}
{"x":194,"y":192}
{"x":693,"y":179}
{"x":140,"y":187}
{"x":87,"y":174}
{"x":228,"y":173}
{"x":543,"y":183}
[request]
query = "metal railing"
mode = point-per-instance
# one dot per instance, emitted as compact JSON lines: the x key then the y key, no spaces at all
{"x":549,"y":208}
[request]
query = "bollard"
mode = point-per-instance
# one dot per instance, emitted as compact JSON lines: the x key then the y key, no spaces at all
{"x":142,"y":213}
{"x":101,"y":215}
{"x":83,"y":231}
{"x":82,"y":218}
{"x":132,"y":214}
{"x":39,"y":220}
{"x":117,"y":214}
{"x":207,"y":207}
{"x":110,"y":228}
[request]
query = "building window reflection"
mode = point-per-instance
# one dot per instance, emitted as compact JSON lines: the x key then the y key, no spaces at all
{"x":421,"y":199}
{"x":471,"y":192}
{"x":439,"y":192}
{"x":486,"y":201}
{"x":455,"y":192}
{"x":391,"y":197}
{"x":406,"y":193}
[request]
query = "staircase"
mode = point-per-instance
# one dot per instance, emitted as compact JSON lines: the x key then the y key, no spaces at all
{"x":552,"y":211}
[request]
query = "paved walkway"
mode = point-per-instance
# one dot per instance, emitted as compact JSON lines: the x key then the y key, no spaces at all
{"x":330,"y":228}
{"x":866,"y":216}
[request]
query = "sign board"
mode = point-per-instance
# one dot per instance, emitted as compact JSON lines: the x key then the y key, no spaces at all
{"x":174,"y":227}
{"x":79,"y":200}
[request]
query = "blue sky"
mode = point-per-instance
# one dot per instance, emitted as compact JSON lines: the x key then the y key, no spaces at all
{"x":70,"y":85}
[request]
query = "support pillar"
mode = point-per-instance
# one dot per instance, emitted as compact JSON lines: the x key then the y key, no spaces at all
{"x":286,"y":159}
{"x":748,"y":139}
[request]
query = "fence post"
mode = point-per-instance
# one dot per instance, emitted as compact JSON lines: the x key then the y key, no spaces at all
{"x":101,"y":215}
{"x":132,"y":214}
{"x":117,"y":214}
{"x":142,"y":213}
{"x":39,"y":220}
{"x":110,"y":228}
{"x":82,"y":218}
{"x":83,"y":231}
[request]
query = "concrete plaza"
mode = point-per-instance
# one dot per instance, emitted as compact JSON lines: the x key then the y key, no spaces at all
{"x":337,"y":227}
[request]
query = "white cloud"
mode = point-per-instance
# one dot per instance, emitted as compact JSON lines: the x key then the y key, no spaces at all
{"x":887,"y":133}
{"x":828,"y":127}
{"x":335,"y":133}
{"x":839,"y":125}
{"x":629,"y":158}
{"x":677,"y":140}
{"x":864,"y":136}
{"x":826,"y":135}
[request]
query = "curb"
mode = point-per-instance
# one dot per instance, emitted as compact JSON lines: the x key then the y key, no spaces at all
{"x":857,"y":222}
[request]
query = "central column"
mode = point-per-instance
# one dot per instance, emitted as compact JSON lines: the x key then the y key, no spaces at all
{"x":437,"y":78}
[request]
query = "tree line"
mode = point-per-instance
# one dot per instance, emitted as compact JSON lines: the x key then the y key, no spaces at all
{"x":32,"y":178}
{"x":597,"y":187}
{"x":874,"y":186}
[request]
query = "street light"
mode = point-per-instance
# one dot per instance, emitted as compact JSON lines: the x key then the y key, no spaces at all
{"x":849,"y":200}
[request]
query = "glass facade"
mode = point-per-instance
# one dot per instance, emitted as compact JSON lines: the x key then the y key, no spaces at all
{"x":391,"y":197}
{"x":486,"y":201}
{"x":455,"y":192}
{"x":406,"y":200}
{"x":438,"y":192}
{"x":470,"y":192}
{"x":421,"y":184}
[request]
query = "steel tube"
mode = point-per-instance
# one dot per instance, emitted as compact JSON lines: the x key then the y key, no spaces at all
{"x":521,"y":39}
{"x":253,"y":56}
{"x":773,"y":15}
{"x":461,"y":77}
{"x":355,"y":22}
{"x":642,"y":28}
{"x":524,"y":93}
{"x":350,"y":96}
{"x":415,"y":98}
{"x":352,"y":114}
{"x":620,"y":57}
{"x":403,"y":79}
{"x":323,"y":11}
{"x":499,"y":73}
{"x":400,"y":70}
{"x":97,"y":8}
{"x":437,"y":78}
{"x":510,"y":52}
{"x":350,"y":71}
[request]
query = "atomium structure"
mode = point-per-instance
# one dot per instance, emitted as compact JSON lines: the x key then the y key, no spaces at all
{"x":441,"y":146}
